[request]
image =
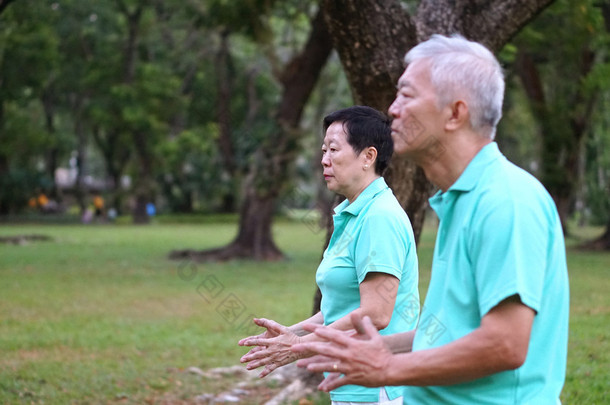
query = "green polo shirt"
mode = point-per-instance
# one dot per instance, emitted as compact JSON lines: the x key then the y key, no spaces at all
{"x":372,"y":234}
{"x":499,"y":235}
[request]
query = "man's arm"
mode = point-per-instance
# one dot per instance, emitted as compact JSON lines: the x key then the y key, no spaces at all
{"x":499,"y":344}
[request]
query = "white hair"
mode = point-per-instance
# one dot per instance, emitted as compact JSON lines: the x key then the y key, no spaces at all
{"x":462,"y":69}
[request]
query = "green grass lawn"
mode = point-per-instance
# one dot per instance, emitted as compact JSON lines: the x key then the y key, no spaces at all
{"x":99,"y":315}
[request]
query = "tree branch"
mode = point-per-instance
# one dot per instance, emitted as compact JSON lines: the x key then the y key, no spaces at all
{"x":371,"y":38}
{"x":492,"y":23}
{"x":4,"y":4}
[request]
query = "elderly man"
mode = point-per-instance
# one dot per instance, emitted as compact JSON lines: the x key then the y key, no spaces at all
{"x":494,"y":325}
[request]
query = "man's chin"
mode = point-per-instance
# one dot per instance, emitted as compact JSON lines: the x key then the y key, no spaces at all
{"x":400,"y":150}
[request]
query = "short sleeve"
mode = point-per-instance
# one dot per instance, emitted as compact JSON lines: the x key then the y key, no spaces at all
{"x":508,"y":252}
{"x":382,"y":246}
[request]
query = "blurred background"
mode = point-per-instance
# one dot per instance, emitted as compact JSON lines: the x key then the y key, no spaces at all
{"x":133,"y":132}
{"x":137,"y":108}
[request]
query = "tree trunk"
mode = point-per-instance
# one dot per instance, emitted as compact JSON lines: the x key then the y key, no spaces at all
{"x":601,"y":243}
{"x":116,"y":158}
{"x":5,"y":207}
{"x":225,"y":143}
{"x":561,"y":136}
{"x":270,"y":173}
{"x":143,"y":192}
{"x":52,"y":154}
{"x":80,"y":188}
{"x":372,"y":38}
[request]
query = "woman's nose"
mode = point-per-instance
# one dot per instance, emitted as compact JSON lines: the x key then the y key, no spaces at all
{"x":325,"y":160}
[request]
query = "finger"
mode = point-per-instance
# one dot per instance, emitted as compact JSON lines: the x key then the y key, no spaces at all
{"x":332,"y":366}
{"x":357,"y":322}
{"x":334,"y":335}
{"x":261,"y":354}
{"x":256,"y":321}
{"x":259,"y":341}
{"x":270,"y":324}
{"x":369,"y":328}
{"x":333,"y":381}
{"x":243,"y":341}
{"x":258,"y":363}
{"x":323,"y":348}
{"x":311,"y":327}
{"x":315,"y":359}
{"x":267,"y":370}
{"x":246,"y":357}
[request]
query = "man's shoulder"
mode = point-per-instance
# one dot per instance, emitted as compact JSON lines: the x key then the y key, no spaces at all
{"x":506,"y":180}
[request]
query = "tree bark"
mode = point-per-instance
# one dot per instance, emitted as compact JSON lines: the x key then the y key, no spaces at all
{"x":274,"y":158}
{"x":116,"y":158}
{"x":372,"y":38}
{"x":4,"y":4}
{"x":561,"y":136}
{"x":225,"y":144}
{"x":143,"y":192}
{"x":80,"y":188}
{"x":52,"y":155}
{"x":493,"y":23}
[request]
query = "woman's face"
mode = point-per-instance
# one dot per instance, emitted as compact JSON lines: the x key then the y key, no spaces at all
{"x":343,"y":168}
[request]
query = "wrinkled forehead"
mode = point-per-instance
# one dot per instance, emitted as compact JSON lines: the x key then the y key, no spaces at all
{"x":416,"y":73}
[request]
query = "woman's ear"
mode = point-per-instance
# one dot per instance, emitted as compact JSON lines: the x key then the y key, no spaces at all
{"x":370,"y":155}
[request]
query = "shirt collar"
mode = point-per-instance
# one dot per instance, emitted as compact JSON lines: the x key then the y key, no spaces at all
{"x":361,"y":201}
{"x":471,"y":175}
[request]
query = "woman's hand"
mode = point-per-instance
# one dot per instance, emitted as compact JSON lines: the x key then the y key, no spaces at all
{"x":272,"y":347}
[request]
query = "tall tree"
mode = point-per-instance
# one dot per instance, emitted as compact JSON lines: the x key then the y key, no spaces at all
{"x":372,"y":37}
{"x":272,"y":161}
{"x":556,"y":80}
{"x":26,"y":39}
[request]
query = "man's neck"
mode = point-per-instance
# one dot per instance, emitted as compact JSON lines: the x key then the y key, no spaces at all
{"x":451,"y":158}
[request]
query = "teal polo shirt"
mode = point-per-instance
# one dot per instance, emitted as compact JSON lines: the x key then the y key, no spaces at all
{"x":499,"y":235}
{"x":372,"y":234}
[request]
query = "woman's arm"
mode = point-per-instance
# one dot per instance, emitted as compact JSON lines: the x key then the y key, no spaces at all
{"x":297,"y":328}
{"x":377,"y":298}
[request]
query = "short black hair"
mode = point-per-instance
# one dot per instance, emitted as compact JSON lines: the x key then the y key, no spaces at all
{"x":365,"y":126}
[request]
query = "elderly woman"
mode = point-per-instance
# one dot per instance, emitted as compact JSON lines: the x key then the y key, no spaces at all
{"x":370,"y":264}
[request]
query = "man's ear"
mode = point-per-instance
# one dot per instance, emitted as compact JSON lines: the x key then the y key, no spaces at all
{"x":459,"y":116}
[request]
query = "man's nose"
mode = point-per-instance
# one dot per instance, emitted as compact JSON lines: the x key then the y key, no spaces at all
{"x":393,"y":110}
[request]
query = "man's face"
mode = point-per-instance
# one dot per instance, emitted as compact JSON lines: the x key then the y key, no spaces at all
{"x":417,"y":120}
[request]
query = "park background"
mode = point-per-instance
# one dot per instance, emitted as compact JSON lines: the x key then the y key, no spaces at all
{"x":160,"y":180}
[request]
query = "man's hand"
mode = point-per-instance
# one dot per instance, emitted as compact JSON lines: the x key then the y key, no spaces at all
{"x":360,"y":359}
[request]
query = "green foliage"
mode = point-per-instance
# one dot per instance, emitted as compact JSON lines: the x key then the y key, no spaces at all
{"x":597,"y":166}
{"x":28,"y":52}
{"x":190,"y":170}
{"x":545,"y":133}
